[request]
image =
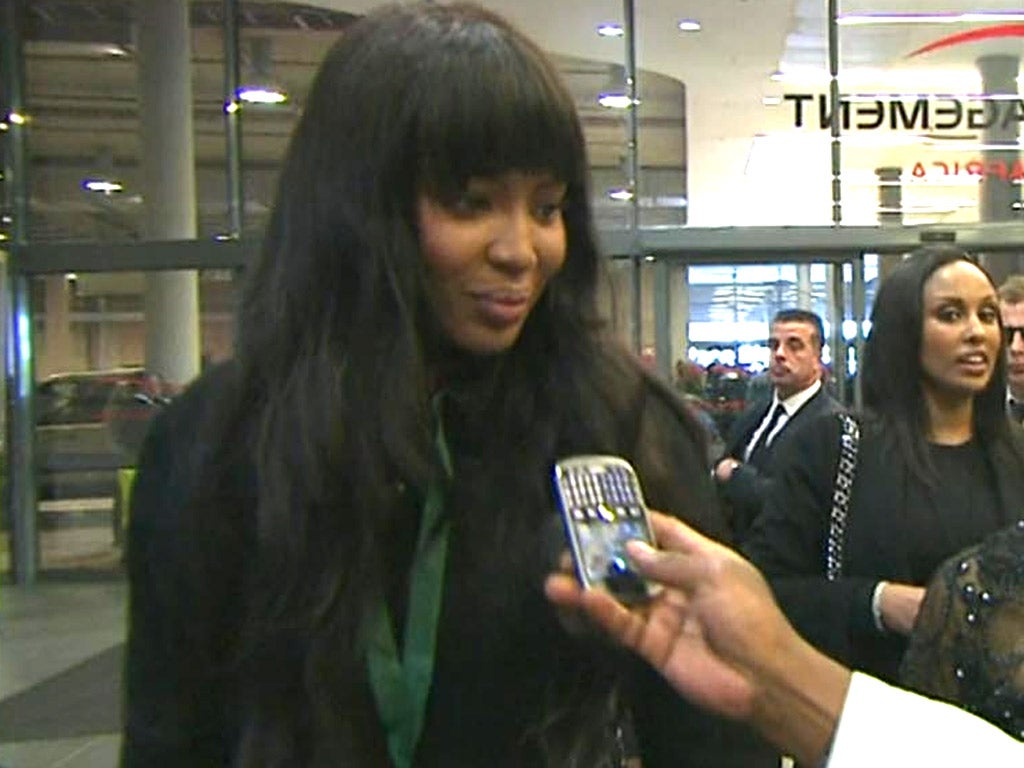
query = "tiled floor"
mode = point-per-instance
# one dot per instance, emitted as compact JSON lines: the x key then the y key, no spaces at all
{"x":44,"y":630}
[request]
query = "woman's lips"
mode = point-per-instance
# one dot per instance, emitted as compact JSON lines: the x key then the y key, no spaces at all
{"x":974,"y":363}
{"x":502,"y":308}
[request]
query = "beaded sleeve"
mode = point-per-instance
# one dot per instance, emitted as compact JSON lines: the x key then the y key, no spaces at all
{"x":968,"y":644}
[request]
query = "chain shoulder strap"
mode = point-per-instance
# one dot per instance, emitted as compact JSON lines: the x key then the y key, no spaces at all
{"x":846,"y":469}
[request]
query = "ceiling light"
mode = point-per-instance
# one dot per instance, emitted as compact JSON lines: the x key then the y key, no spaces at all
{"x":107,"y":186}
{"x":862,"y":19}
{"x":615,"y":100}
{"x":610,"y":30}
{"x":622,"y":194}
{"x":16,"y":118}
{"x":262,"y":95}
{"x":771,"y":101}
{"x":777,"y":76}
{"x":231,"y":107}
{"x":259,"y":84}
{"x":689,"y":25}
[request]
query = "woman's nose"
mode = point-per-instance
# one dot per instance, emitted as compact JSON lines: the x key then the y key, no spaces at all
{"x":512,"y":245}
{"x":975,"y":325}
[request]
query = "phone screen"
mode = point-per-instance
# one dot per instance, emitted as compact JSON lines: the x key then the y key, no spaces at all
{"x":603,"y":508}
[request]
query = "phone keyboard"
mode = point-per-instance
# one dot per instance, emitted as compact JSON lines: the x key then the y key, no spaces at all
{"x":607,"y":494}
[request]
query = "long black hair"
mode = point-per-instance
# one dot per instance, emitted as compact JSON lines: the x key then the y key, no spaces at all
{"x":335,"y":359}
{"x":892,"y":376}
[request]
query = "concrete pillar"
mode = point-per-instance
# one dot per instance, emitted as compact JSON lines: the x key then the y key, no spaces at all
{"x":169,"y":185}
{"x":57,"y":352}
{"x":679,"y":310}
{"x":101,"y":352}
{"x":998,"y":195}
{"x":804,"y":289}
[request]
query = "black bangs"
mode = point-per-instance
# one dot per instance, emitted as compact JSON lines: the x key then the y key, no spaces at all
{"x":505,"y":111}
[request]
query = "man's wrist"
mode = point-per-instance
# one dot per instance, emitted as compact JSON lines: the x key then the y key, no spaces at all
{"x":799,"y":701}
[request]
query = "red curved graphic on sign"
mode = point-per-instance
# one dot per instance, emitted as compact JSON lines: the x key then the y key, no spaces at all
{"x":971,"y":36}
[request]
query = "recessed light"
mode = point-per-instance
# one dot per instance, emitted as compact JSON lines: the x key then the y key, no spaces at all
{"x":622,"y":194}
{"x":261,"y":95}
{"x":689,"y":25}
{"x":771,"y":101}
{"x":777,"y":75}
{"x":615,"y":100}
{"x":102,"y":185}
{"x":610,"y":30}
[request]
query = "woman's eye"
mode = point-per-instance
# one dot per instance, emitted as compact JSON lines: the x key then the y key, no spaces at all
{"x":988,"y":315}
{"x":470,"y":202}
{"x":547,"y":212}
{"x":949,"y":314}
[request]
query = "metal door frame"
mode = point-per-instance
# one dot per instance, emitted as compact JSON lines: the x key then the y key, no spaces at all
{"x":691,"y":246}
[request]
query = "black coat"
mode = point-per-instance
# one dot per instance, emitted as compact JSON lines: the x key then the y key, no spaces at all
{"x":750,"y":483}
{"x":893,"y":534}
{"x":502,"y":656}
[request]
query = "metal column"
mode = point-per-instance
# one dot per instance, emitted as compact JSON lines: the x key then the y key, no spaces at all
{"x":20,"y":487}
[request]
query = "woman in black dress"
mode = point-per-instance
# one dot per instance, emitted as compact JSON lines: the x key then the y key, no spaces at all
{"x":938,"y":466}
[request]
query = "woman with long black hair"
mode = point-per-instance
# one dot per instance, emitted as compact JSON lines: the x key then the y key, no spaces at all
{"x":938,"y":466}
{"x":339,"y":540}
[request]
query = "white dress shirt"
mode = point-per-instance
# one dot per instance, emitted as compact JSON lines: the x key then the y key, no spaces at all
{"x":790,"y":405}
{"x":887,"y":727}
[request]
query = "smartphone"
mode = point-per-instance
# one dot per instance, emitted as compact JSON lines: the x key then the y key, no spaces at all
{"x":602,"y":508}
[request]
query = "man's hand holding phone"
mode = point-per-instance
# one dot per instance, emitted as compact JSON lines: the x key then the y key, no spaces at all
{"x":717,"y":636}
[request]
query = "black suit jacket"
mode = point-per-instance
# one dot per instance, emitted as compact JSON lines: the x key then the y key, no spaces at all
{"x":750,"y":483}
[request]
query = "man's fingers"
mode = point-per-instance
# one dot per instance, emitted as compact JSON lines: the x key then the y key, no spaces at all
{"x":669,"y":568}
{"x":563,"y":590}
{"x":622,"y":624}
{"x":675,"y":535}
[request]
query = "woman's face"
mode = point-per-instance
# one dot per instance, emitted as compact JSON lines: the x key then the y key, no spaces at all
{"x":961,"y":338}
{"x":489,"y":255}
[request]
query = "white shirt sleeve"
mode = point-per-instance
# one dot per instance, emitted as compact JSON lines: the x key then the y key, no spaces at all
{"x":887,"y":727}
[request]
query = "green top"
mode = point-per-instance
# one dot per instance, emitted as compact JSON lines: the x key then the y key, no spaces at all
{"x":401,"y":686}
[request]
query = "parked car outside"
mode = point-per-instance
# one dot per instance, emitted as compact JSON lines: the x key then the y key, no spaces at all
{"x":88,"y":425}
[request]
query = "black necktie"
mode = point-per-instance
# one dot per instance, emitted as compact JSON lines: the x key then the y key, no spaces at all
{"x":762,"y":440}
{"x":1017,"y":410}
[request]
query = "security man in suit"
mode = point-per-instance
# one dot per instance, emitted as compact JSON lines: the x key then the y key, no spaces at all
{"x":1011,"y":308}
{"x":745,"y":473}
